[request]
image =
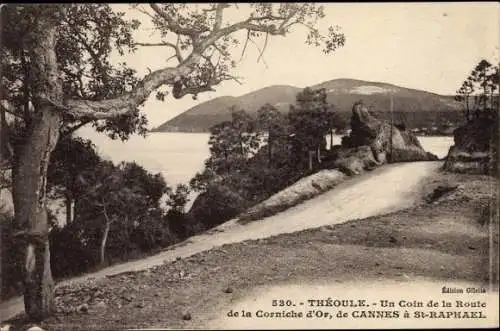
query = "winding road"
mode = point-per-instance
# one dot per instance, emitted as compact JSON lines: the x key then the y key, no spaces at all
{"x":383,"y":190}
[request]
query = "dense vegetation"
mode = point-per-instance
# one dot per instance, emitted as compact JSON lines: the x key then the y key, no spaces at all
{"x":118,"y":212}
{"x":113,"y":213}
{"x":238,"y":174}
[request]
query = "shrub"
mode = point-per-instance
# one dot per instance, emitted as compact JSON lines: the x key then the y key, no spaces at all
{"x":69,"y":256}
{"x":217,"y":205}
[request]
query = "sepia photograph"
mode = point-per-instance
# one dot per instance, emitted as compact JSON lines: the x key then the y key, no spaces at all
{"x":233,"y":166}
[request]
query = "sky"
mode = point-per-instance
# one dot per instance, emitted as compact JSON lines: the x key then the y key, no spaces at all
{"x":428,"y":46}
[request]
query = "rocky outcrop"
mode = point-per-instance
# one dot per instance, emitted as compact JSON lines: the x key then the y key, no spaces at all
{"x":373,"y":141}
{"x":476,"y":148}
{"x":355,"y":160}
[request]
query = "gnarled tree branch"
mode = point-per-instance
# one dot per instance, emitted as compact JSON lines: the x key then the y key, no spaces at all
{"x":175,"y":26}
{"x":176,"y":48}
{"x":128,"y":103}
{"x":273,"y":25}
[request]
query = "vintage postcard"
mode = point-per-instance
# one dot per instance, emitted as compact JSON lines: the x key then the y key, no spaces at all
{"x":249,"y":166}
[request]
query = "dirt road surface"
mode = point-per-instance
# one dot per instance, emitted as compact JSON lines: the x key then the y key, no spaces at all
{"x":383,"y":190}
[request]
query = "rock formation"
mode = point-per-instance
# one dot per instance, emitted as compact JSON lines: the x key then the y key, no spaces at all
{"x":354,"y":160}
{"x":373,"y":142}
{"x":476,"y":148}
{"x":305,"y":188}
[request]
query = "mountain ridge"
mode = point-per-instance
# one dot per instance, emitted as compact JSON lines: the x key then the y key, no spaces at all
{"x":341,"y":92}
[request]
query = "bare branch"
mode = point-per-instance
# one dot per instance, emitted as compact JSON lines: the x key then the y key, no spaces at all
{"x":175,"y":47}
{"x":175,"y":26}
{"x":236,"y":79}
{"x":221,"y":51}
{"x":170,"y":58}
{"x":263,"y":48}
{"x":258,"y":48}
{"x":243,"y":25}
{"x":207,"y":10}
{"x":208,"y":85}
{"x":145,"y":12}
{"x":155,"y":44}
{"x":245,"y":46}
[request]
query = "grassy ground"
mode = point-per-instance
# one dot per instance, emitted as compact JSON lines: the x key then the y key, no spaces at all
{"x":446,"y":239}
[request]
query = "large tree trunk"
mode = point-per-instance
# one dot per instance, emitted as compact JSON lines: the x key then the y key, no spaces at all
{"x":30,"y":205}
{"x":30,"y":169}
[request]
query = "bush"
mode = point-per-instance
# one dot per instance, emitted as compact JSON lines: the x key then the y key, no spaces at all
{"x":153,"y":233}
{"x":69,"y":257}
{"x":217,"y":205}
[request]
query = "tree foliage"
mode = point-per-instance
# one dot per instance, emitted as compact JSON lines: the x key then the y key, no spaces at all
{"x":310,"y":121}
{"x":272,"y":122}
{"x":72,"y":162}
{"x":479,"y":92}
{"x":176,"y":216}
{"x":231,"y":143}
{"x":87,"y":35}
{"x":117,"y":200}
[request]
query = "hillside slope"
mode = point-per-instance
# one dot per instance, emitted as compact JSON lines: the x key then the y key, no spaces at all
{"x":342,"y":93}
{"x":201,"y":117}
